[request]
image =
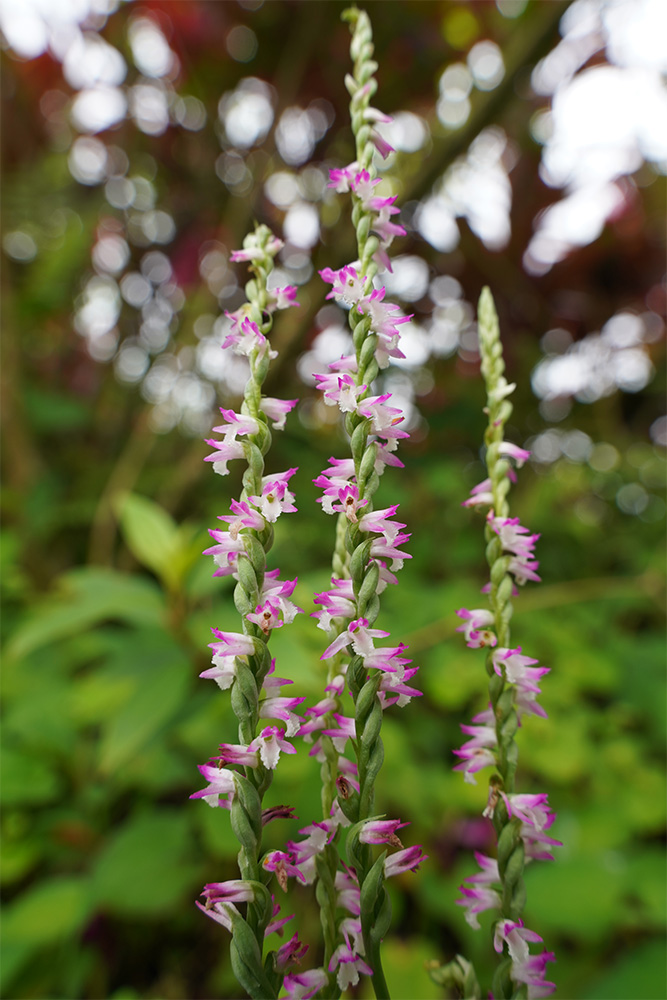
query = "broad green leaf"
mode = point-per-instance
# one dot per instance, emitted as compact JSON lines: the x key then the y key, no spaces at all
{"x":155,"y":539}
{"x":26,"y":780}
{"x":84,"y":597}
{"x":47,"y":912}
{"x":161,"y":673}
{"x":641,"y":973}
{"x":17,"y":858}
{"x":145,"y":868}
{"x":39,"y":720}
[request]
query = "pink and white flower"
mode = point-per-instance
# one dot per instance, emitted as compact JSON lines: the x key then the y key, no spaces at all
{"x":476,"y":627}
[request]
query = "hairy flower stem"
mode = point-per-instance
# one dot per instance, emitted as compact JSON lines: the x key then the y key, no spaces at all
{"x":246,"y":809}
{"x":368,"y":710}
{"x":510,"y":845}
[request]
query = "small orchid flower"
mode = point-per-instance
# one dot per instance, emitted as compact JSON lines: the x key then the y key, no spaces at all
{"x":348,"y":964}
{"x":475,"y":627}
{"x":357,"y":633}
{"x":277,"y":410}
{"x":407,"y":860}
{"x":233,"y":643}
{"x":304,"y":985}
{"x":477,"y":901}
{"x":223,"y":671}
{"x":381,"y":831}
{"x":282,"y":865}
{"x":220,"y":782}
{"x":290,"y":953}
{"x":347,"y":285}
{"x":234,"y":891}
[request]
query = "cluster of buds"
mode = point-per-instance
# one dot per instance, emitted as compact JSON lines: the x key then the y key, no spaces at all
{"x":521,"y":821}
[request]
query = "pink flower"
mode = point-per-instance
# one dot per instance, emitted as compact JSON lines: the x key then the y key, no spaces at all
{"x":488,"y":874}
{"x":242,"y":516}
{"x":223,"y":671}
{"x":304,"y":985}
{"x":475,"y":627}
{"x":234,"y":891}
{"x":340,"y":390}
{"x":282,"y":865}
{"x":347,"y":285}
{"x":508,"y":450}
{"x":220,"y":782}
{"x":224,"y":451}
{"x":282,"y":298}
{"x":386,"y":229}
{"x":533,"y":810}
{"x":248,"y":339}
{"x":379,"y":521}
{"x":389,"y":659}
{"x":255,"y":252}
{"x":338,"y":602}
{"x":477,"y":901}
{"x":348,"y":965}
{"x":276,"y":498}
{"x":282,"y":708}
{"x":344,"y":731}
{"x":381,"y":831}
{"x":526,"y":968}
{"x":290,"y":953}
{"x":266,"y":616}
{"x":340,"y":177}
{"x":382,"y":417}
{"x":359,"y":635}
{"x":394,"y":691}
{"x":407,"y":860}
{"x":225,"y":553}
{"x":233,"y":643}
{"x":277,"y":410}
{"x":477,"y":752}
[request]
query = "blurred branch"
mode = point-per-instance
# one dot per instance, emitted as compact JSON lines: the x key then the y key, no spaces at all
{"x":524,"y":49}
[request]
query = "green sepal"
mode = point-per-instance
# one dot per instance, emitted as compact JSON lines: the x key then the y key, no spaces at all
{"x":368,"y":588}
{"x":244,"y":603}
{"x":247,"y":961}
{"x":244,"y":695}
{"x":367,"y":465}
{"x":358,"y":441}
{"x":257,"y":556}
{"x":246,"y":818}
{"x":350,"y":806}
{"x":367,"y":353}
{"x":503,"y":987}
{"x":248,"y":583}
{"x":358,"y":563}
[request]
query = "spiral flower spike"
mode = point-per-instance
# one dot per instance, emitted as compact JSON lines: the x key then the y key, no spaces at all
{"x":520,"y":821}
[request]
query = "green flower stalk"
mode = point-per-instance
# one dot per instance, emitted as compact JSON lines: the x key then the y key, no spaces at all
{"x":378,"y":677}
{"x":520,"y":821}
{"x":241,"y":774}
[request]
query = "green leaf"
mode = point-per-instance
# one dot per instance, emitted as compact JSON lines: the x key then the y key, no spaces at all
{"x":84,"y":597}
{"x":155,"y":539}
{"x":161,"y":675}
{"x":145,"y":868}
{"x":47,"y":912}
{"x":641,"y":973}
{"x":26,"y":780}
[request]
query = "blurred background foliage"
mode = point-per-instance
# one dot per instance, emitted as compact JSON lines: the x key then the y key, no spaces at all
{"x":141,"y":140}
